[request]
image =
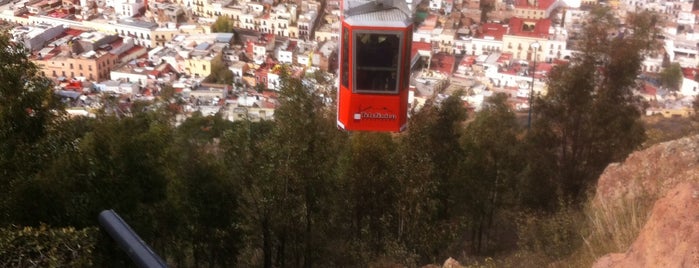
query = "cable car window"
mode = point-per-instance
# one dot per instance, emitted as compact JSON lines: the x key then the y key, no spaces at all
{"x":345,"y":57}
{"x":407,"y":62}
{"x":377,"y":61}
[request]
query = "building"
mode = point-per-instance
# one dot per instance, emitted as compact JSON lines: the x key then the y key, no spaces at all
{"x":36,"y":36}
{"x":126,"y":8}
{"x":535,"y":9}
{"x":93,"y":65}
{"x":523,"y":33}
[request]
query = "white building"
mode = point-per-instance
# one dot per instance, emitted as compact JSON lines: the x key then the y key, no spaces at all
{"x":127,"y":8}
{"x":131,"y":74}
{"x":285,"y":54}
{"x":34,"y":37}
{"x":689,"y":87}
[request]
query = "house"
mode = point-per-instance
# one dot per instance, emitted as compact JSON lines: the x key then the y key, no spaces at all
{"x":535,"y":9}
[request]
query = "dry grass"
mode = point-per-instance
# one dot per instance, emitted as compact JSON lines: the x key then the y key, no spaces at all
{"x":610,"y":228}
{"x":660,"y":129}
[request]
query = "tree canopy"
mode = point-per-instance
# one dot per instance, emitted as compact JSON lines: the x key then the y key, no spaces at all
{"x":589,"y":117}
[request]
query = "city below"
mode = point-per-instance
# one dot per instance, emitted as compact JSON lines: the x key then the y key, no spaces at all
{"x":135,"y":48}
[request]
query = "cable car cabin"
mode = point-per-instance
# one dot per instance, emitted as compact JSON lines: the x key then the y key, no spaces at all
{"x":374,"y":65}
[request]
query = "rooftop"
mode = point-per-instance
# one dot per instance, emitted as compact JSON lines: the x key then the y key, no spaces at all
{"x":139,"y":23}
{"x":492,"y":31}
{"x":534,"y":4}
{"x":443,"y":63}
{"x":528,"y":27}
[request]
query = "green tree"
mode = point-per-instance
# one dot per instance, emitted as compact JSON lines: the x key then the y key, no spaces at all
{"x":307,"y":150}
{"x":491,"y":166}
{"x":203,"y":224}
{"x":220,"y":73}
{"x":223,"y":24}
{"x":27,"y":110}
{"x":671,"y":76}
{"x":102,"y":163}
{"x":285,"y":169}
{"x":589,"y":116}
{"x":248,"y":153}
{"x":445,"y":135}
{"x":368,"y":195}
{"x":427,"y":169}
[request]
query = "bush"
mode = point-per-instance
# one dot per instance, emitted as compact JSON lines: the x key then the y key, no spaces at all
{"x":44,"y":246}
{"x":555,"y":236}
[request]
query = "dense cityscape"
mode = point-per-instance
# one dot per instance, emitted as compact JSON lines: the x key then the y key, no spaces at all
{"x":133,"y":48}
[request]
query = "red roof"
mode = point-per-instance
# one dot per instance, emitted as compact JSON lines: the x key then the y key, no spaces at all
{"x":649,"y":89}
{"x":73,"y":32}
{"x":505,"y":57}
{"x":269,"y":94}
{"x":542,"y":69}
{"x":689,"y":73}
{"x":133,"y":49}
{"x":58,"y":14}
{"x":540,"y":29}
{"x":493,"y":30}
{"x":443,"y":62}
{"x":468,"y":61}
{"x":560,"y":61}
{"x":268,"y":105}
{"x":417,"y":46}
{"x":291,"y":46}
{"x":535,"y":4}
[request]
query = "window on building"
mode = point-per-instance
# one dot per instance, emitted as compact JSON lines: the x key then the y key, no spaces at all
{"x":406,"y":62}
{"x":376,"y":61}
{"x":80,"y":66}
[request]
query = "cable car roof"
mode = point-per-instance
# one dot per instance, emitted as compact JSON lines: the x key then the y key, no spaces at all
{"x":386,"y":13}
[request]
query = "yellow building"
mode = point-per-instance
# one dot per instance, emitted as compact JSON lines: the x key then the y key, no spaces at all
{"x":200,"y":66}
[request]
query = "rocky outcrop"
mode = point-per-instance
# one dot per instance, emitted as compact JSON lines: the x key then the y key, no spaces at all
{"x":666,"y":174}
{"x":670,"y":237}
{"x":651,"y":172}
{"x":451,"y":263}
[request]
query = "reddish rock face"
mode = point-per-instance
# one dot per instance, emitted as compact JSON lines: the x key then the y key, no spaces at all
{"x":667,"y":174}
{"x":651,"y":172}
{"x":670,"y":237}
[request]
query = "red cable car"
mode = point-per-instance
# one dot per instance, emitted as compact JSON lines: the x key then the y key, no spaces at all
{"x":374,"y":65}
